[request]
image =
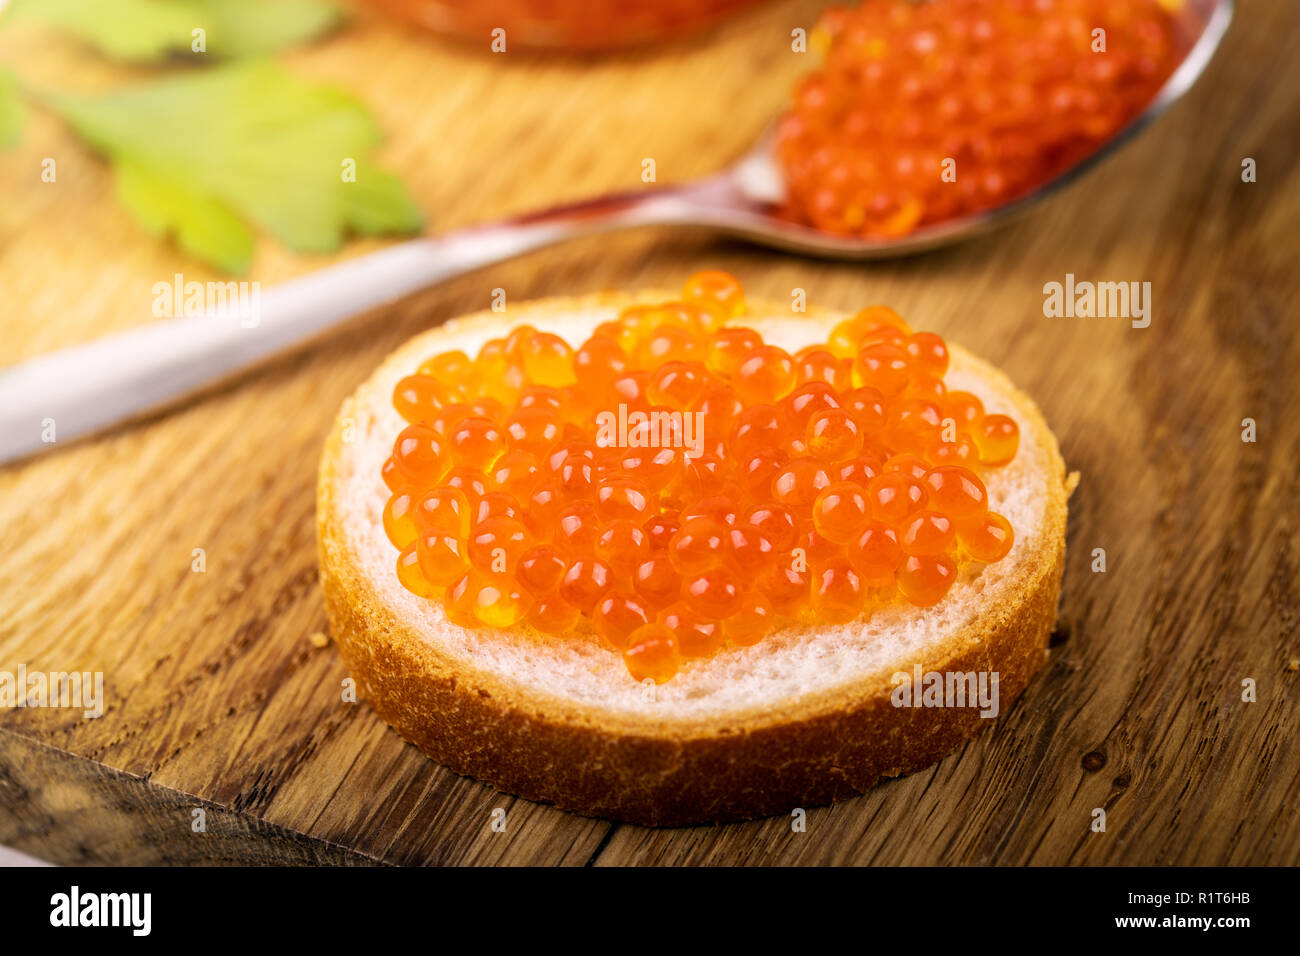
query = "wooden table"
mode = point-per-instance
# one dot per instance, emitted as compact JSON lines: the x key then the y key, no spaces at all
{"x":217,"y":697}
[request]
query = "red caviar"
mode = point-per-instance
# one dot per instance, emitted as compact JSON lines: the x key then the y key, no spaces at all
{"x":923,"y":112}
{"x":747,"y":487}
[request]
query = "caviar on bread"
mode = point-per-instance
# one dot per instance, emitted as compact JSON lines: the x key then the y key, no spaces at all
{"x":660,"y":557}
{"x":757,"y":487}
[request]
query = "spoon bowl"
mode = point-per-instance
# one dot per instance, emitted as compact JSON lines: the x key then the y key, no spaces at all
{"x":742,"y":199}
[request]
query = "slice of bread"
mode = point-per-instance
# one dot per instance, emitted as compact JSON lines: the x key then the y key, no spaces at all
{"x":805,"y":717}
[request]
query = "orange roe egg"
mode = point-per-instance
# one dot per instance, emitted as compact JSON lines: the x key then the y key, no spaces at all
{"x":925,"y":579}
{"x":552,"y":614}
{"x":669,"y":343}
{"x":617,"y":616}
{"x":598,"y":362}
{"x":799,"y":483}
{"x":657,"y":581}
{"x":752,"y":622}
{"x":847,"y":338}
{"x":677,"y":385}
{"x":765,"y":375}
{"x":548,"y":360}
{"x":987,"y":538}
{"x":959,"y":452}
{"x":420,"y":455}
{"x":926,"y":532}
{"x":833,"y":434}
{"x":817,"y":550}
{"x":399,"y":524}
{"x":867,"y":406}
{"x":444,"y":509}
{"x":956,"y":491}
{"x":652,"y":654}
{"x":756,"y":428}
{"x":914,"y":424}
{"x":578,"y":528}
{"x":622,"y":544}
{"x":541,"y":569}
{"x":715,"y":592}
{"x":417,"y":398}
{"x":720,"y":508}
{"x":453,"y":371}
{"x":515,"y":472}
{"x":533,"y":430}
{"x":838,"y":592}
{"x":621,"y":498}
{"x":461,"y":602}
{"x":998,"y":438}
{"x":776,"y":522}
{"x":441,"y":558}
{"x":498,"y":543}
{"x":728,"y":347}
{"x":758,"y":470}
{"x":409,"y":573}
{"x":717,"y":291}
{"x":882,"y":366}
{"x":585,"y":582}
{"x":467,"y":479}
{"x":659,"y":531}
{"x":700,"y":543}
{"x":654,"y":468}
{"x":912,"y":465}
{"x":841,"y":512}
{"x":787,"y":587}
{"x":393,"y":479}
{"x":964,"y":408}
{"x":476,"y":442}
{"x":748,"y":552}
{"x":894,"y":495}
{"x":696,"y":635}
{"x":876,"y":554}
{"x":807,"y":400}
{"x":742,"y":486}
{"x":500,"y":601}
{"x":928,"y":353}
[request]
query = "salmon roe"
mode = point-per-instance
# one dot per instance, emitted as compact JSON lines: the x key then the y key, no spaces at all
{"x":923,"y":112}
{"x":675,"y":484}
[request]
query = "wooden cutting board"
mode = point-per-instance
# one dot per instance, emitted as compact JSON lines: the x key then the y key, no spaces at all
{"x":218,"y":699}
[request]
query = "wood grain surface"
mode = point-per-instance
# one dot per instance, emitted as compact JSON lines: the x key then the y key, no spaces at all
{"x":218,"y":699}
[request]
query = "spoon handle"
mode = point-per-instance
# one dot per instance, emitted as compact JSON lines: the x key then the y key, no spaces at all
{"x":56,"y":397}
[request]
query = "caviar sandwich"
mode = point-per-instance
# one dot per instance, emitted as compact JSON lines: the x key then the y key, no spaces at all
{"x":665,"y":560}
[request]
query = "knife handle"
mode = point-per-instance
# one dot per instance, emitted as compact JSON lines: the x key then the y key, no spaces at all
{"x":79,"y":390}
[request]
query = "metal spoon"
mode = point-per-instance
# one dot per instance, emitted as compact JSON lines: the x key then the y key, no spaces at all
{"x":85,"y":388}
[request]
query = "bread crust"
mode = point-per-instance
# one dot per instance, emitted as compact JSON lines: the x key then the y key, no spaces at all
{"x":821,"y":748}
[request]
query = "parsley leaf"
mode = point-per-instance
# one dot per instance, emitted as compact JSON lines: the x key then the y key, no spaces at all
{"x":201,"y":155}
{"x":146,"y":31}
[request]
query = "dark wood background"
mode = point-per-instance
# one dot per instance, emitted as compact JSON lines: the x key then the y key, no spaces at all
{"x":218,"y":698}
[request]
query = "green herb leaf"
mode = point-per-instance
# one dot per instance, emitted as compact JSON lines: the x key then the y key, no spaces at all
{"x":11,"y":110}
{"x":145,"y":31}
{"x":200,"y":155}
